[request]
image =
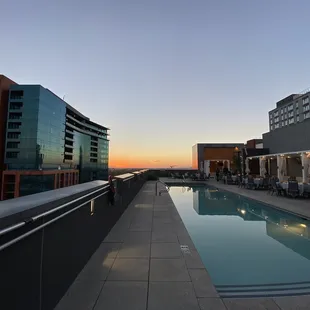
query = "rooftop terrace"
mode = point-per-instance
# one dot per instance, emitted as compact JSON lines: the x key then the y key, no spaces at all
{"x":79,"y":252}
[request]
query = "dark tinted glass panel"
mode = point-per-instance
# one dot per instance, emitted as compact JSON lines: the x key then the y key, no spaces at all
{"x":31,"y":184}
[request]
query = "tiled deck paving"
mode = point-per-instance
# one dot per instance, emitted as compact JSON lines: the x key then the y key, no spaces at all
{"x":140,"y":266}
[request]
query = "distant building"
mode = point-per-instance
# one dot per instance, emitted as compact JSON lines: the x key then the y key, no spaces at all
{"x":207,"y":157}
{"x":5,"y":84}
{"x":289,"y":125}
{"x":49,"y":144}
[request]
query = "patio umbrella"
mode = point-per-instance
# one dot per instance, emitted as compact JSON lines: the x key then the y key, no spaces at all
{"x":307,"y":166}
{"x":247,"y":169}
{"x":263,"y":167}
{"x":282,"y":166}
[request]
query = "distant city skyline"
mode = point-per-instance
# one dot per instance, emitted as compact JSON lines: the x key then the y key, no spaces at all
{"x":162,"y":75}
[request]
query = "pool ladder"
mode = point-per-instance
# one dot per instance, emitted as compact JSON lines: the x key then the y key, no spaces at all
{"x":162,"y":191}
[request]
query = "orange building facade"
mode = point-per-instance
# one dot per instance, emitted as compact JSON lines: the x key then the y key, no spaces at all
{"x":12,"y":187}
{"x":207,"y":157}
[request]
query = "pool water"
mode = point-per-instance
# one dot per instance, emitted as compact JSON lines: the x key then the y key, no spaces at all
{"x":246,"y":243}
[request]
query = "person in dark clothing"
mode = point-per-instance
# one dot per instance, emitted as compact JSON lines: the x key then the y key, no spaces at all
{"x":217,"y":174}
{"x":225,"y":170}
{"x":111,"y":193}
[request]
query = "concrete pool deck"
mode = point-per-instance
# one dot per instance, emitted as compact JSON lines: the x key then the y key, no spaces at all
{"x":148,"y":262}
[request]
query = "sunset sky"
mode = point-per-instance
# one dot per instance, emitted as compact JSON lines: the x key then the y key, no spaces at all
{"x":162,"y":74}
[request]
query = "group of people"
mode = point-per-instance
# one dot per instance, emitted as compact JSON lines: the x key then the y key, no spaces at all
{"x":225,"y":172}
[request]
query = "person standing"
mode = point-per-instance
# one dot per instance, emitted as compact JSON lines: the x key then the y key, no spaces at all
{"x":217,"y":172}
{"x":111,"y":193}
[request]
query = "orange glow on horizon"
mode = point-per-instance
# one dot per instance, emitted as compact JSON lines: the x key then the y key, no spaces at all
{"x":136,"y":162}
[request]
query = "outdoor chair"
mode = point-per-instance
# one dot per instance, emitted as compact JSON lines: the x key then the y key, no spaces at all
{"x":276,"y":188}
{"x":293,"y":189}
{"x":229,"y":180}
{"x":178,"y":175}
{"x":265,"y":183}
{"x":193,"y":177}
{"x":251,"y":184}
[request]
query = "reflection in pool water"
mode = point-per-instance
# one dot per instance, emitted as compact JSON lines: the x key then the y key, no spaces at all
{"x":243,"y":242}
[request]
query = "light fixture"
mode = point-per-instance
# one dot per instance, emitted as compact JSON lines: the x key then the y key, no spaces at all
{"x":243,"y":211}
{"x":303,"y":225}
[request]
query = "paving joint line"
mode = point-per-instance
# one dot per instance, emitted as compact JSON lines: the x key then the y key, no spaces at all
{"x":149,"y":271}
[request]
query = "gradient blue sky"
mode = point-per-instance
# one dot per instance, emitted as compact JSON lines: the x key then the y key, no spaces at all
{"x":164,"y":74}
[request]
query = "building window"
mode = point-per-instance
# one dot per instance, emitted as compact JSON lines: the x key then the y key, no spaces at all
{"x":16,"y":94}
{"x":297,"y":118}
{"x":15,"y":115}
{"x":305,"y":100}
{"x":16,"y":105}
{"x":290,"y":107}
{"x":291,"y":114}
{"x":276,"y":126}
{"x":291,"y":121}
{"x":282,"y":124}
{"x":306,"y":107}
{"x":14,"y":125}
{"x":11,"y":154}
{"x":297,"y":111}
{"x":13,"y":135}
{"x":281,"y":111}
{"x":306,"y":115}
{"x":276,"y":120}
{"x":286,"y":123}
{"x":12,"y":145}
{"x":296,"y":105}
{"x":275,"y":113}
{"x":271,"y":121}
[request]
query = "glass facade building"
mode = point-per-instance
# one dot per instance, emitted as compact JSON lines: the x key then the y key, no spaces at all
{"x":49,"y":144}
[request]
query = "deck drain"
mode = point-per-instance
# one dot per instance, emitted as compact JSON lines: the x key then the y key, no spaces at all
{"x":185,"y":249}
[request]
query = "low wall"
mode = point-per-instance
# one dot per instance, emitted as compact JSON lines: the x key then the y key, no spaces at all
{"x":47,"y":238}
{"x":162,"y":173}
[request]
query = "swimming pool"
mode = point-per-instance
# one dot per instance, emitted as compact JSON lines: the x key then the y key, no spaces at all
{"x":248,"y":248}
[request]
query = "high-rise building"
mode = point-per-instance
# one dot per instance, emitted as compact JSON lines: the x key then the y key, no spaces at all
{"x":49,"y":144}
{"x":290,"y":110}
{"x":289,"y":124}
{"x":5,"y":84}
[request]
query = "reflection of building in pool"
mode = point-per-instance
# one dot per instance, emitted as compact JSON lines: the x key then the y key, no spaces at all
{"x":213,"y":202}
{"x":294,"y":236}
{"x":209,"y":156}
{"x":285,"y":229}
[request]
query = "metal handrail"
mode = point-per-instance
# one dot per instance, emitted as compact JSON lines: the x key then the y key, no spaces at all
{"x":48,"y":223}
{"x":11,"y":228}
{"x":66,"y":204}
{"x":156,"y":186}
{"x":18,"y":225}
